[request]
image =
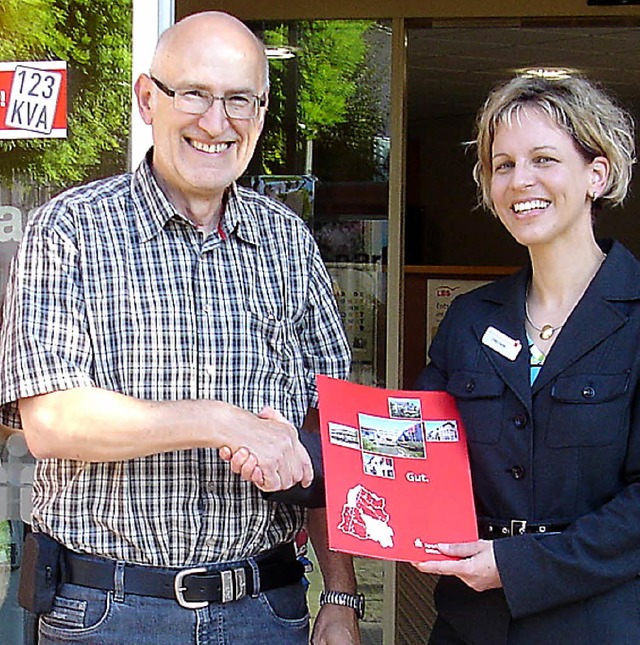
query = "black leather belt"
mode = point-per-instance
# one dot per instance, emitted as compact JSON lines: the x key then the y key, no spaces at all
{"x":192,"y":588}
{"x":493,"y":529}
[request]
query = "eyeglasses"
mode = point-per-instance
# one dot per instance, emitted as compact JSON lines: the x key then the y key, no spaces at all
{"x":195,"y":101}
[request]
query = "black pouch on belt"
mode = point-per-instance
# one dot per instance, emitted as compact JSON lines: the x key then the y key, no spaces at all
{"x":39,"y":573}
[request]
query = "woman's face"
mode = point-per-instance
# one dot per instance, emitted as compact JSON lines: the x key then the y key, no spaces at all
{"x":540,"y":183}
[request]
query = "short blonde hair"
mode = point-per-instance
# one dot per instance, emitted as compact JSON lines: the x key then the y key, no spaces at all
{"x":597,"y":125}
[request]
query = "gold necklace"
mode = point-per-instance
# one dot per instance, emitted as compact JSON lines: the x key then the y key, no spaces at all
{"x":547,"y":331}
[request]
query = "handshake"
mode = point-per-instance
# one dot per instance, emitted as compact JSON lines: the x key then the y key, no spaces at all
{"x":290,"y":471}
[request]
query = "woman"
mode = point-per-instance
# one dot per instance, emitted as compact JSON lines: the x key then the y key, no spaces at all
{"x":545,"y":367}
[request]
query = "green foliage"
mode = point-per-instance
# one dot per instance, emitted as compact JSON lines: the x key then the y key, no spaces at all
{"x":345,"y":151}
{"x":318,"y":95}
{"x":96,"y":44}
{"x":332,"y":54}
{"x":26,"y":27}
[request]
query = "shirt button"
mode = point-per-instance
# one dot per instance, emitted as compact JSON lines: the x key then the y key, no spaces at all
{"x":210,"y":370}
{"x":517,"y":472}
{"x":520,"y":421}
{"x":210,"y":542}
{"x":210,"y":487}
{"x":588,"y":392}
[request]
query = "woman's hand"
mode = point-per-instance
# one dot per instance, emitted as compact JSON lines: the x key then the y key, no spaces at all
{"x":476,"y":567}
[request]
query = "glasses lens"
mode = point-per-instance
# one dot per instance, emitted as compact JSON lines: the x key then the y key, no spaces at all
{"x":192,"y":102}
{"x":240,"y":106}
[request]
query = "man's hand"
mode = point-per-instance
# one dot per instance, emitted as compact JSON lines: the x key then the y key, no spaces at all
{"x":477,"y":567}
{"x":272,"y":475}
{"x":336,"y":625}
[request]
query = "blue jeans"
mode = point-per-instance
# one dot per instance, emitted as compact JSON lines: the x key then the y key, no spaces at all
{"x":87,"y":616}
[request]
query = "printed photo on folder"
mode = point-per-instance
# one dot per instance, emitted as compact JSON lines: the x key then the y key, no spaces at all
{"x":396,"y":470}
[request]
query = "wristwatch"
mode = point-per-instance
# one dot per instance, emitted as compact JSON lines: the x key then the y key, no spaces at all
{"x":344,"y":599}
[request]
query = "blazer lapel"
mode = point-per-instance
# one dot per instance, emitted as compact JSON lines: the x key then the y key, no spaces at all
{"x":596,"y":316}
{"x":590,"y":323}
{"x":508,"y":318}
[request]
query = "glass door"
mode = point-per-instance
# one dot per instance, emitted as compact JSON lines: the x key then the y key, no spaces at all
{"x":325,"y":152}
{"x":450,"y":70}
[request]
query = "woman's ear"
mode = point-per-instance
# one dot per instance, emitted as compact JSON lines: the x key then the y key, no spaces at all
{"x":600,"y":169}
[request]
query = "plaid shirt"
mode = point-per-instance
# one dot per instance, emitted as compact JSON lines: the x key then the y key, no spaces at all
{"x":113,"y":288}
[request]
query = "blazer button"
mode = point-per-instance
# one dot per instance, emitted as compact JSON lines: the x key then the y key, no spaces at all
{"x":520,"y":421}
{"x":471,"y":386}
{"x":517,"y":472}
{"x":588,"y":392}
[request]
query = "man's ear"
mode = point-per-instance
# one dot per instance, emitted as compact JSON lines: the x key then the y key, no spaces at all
{"x":144,"y":94}
{"x":263,"y":110}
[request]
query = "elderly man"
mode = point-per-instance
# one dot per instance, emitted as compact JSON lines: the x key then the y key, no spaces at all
{"x":155,"y":323}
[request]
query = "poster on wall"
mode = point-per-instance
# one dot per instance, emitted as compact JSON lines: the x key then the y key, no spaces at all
{"x":10,"y":235}
{"x":33,"y":100}
{"x":396,"y":467}
{"x":440,"y":295}
{"x":357,"y":288}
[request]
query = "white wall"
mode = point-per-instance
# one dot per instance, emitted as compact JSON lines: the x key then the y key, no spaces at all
{"x":150,"y":19}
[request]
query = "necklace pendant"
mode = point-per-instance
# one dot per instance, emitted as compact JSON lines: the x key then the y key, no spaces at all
{"x":547,"y":332}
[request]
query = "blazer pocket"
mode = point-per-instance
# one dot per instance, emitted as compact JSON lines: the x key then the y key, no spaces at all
{"x":587,"y":410}
{"x":480,"y":400}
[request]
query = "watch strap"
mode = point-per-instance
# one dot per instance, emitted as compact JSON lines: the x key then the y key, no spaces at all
{"x":344,"y":599}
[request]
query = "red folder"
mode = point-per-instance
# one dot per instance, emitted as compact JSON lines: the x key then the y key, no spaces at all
{"x":396,"y":471}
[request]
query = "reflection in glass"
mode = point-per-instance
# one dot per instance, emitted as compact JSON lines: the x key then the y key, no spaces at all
{"x":328,"y":119}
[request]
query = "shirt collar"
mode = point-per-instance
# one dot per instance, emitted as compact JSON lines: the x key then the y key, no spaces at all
{"x":153,"y":209}
{"x":240,"y":215}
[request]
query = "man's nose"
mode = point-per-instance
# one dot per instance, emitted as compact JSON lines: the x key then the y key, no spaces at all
{"x":215,"y":119}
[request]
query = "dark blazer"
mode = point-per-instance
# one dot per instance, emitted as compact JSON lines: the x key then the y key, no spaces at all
{"x":564,"y":451}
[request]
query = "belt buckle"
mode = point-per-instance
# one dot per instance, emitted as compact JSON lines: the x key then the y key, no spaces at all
{"x":179,"y":589}
{"x":234,"y":584}
{"x":518,"y":527}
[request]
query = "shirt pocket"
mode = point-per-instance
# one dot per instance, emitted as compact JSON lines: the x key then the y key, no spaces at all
{"x":480,"y":400}
{"x":273,"y":341}
{"x":587,"y":410}
{"x":269,"y":329}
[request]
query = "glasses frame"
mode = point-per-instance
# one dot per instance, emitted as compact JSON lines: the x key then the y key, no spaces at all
{"x":258,"y":101}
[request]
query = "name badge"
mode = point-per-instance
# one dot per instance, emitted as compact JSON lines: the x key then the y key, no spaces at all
{"x":501,"y":343}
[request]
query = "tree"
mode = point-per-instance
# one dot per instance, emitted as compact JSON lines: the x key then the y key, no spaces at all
{"x":97,"y":48}
{"x":325,"y":94}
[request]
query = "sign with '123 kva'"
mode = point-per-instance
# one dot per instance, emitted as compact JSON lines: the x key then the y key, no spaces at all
{"x":33,"y":100}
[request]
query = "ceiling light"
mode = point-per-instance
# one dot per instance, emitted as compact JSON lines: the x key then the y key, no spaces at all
{"x":280,"y":53}
{"x":549,"y":73}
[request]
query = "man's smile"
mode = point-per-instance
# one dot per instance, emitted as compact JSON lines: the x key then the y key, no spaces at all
{"x":212,"y":148}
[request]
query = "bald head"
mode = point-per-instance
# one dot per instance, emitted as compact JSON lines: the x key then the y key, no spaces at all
{"x":208,"y":59}
{"x":209,"y":32}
